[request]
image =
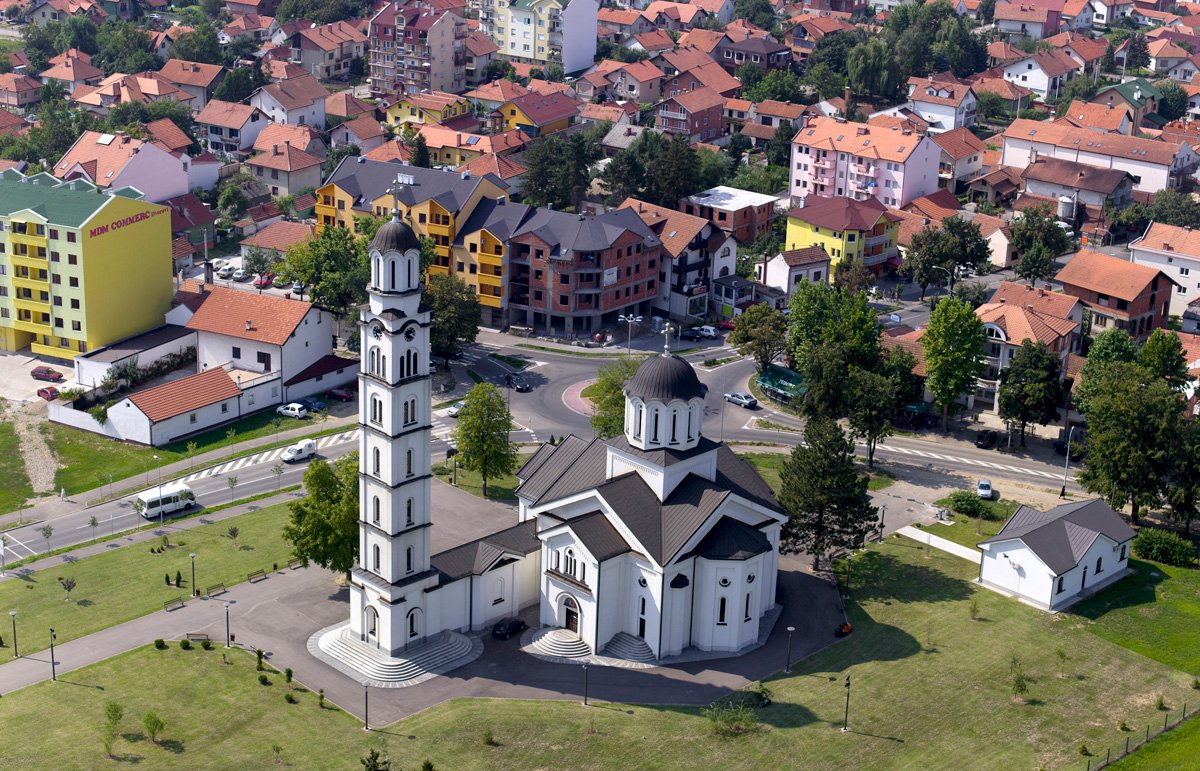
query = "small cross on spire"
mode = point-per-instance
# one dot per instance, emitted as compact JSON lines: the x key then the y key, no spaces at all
{"x":668,"y":330}
{"x":395,"y":189}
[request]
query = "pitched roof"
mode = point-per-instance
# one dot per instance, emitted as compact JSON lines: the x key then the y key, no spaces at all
{"x":1107,"y":275}
{"x":1166,"y":49}
{"x":479,"y":44}
{"x":285,"y":158}
{"x":296,"y":92}
{"x":1043,"y":302}
{"x":498,"y":165}
{"x":329,"y":37}
{"x":345,"y":104}
{"x":475,"y":557}
{"x":732,"y":539}
{"x":1020,"y":12}
{"x":185,"y":394}
{"x":13,"y":83}
{"x":714,"y":76}
{"x":189,"y":73}
{"x":72,"y":69}
{"x":1076,"y":175}
{"x":1061,"y":537}
{"x":1004,"y":51}
{"x":1054,"y":62}
{"x":809,"y":255}
{"x":280,"y":236}
{"x":1170,"y":238}
{"x":101,"y":156}
{"x":943,"y":92}
{"x":500,"y":90}
{"x":165,"y":132}
{"x":119,"y":88}
{"x":363,"y":127}
{"x":704,"y":39}
{"x":1003,"y":88}
{"x":366,"y":179}
{"x":248,"y":315}
{"x":187,"y":212}
{"x":225,"y":114}
{"x":1137,"y":91}
{"x":563,"y":230}
{"x":1063,"y":134}
{"x":675,"y":229}
{"x":840,"y":213}
{"x":542,"y":110}
{"x":286,"y":133}
{"x":858,"y":139}
{"x":1020,"y":323}
{"x":939,"y":205}
{"x":777,"y":109}
{"x":959,"y":143}
{"x":1095,"y":116}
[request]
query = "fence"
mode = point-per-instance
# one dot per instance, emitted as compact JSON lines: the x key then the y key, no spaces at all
{"x":1136,"y":739}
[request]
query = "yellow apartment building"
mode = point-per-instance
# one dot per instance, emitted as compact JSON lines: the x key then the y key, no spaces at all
{"x":861,"y":231}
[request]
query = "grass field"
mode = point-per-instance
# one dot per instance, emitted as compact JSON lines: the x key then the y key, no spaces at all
{"x":87,"y":460}
{"x":499,"y":489}
{"x":127,"y":582}
{"x":1177,"y":750}
{"x":15,"y":489}
{"x":931,"y":689}
{"x":965,"y":530}
{"x":770,"y":464}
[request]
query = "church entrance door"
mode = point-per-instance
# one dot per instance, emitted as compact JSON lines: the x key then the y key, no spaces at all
{"x":642,"y":628}
{"x":571,"y":614}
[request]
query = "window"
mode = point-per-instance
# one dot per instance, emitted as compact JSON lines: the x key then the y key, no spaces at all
{"x":375,"y":461}
{"x":747,"y":606}
{"x":408,"y":460}
{"x":375,"y":558}
{"x":192,"y":418}
{"x":224,"y":407}
{"x":1099,"y":565}
{"x":375,"y":509}
{"x":408,"y":515}
{"x":75,"y":304}
{"x":72,"y":259}
{"x":721,"y":611}
{"x":408,"y":560}
{"x":1122,"y":552}
{"x":237,"y":352}
{"x":75,"y":325}
{"x":1060,"y":585}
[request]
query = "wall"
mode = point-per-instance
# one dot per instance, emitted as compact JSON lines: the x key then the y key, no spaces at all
{"x":1020,"y":573}
{"x":578,"y":35}
{"x":1184,"y":268}
{"x":127,"y":428}
{"x":89,"y":373}
{"x":156,"y":173}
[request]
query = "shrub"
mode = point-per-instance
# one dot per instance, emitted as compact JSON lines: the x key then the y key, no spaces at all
{"x":1160,"y":703}
{"x":1084,"y":751}
{"x":178,"y":579}
{"x":1196,"y":683}
{"x":321,"y":699}
{"x":731,"y":720}
{"x":969,"y":505}
{"x":185,"y":644}
{"x":1164,"y":546}
{"x":154,"y":725}
{"x":160,"y":644}
{"x":166,"y":576}
{"x":259,"y":655}
{"x":206,"y":645}
{"x":287,"y":675}
{"x":264,"y":680}
{"x":489,"y":739}
{"x":289,"y":697}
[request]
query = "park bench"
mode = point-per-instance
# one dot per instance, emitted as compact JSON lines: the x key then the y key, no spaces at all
{"x":174,"y":604}
{"x":197,"y":636}
{"x":214,"y":590}
{"x":257,"y":575}
{"x":295,"y":562}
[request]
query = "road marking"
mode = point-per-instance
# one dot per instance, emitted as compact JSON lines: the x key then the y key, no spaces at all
{"x":15,"y":540}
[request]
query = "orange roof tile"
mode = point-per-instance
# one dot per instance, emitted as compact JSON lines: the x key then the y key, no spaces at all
{"x":191,"y":73}
{"x":674,"y":228}
{"x":858,"y":139}
{"x":1170,"y":238}
{"x":1107,"y":275}
{"x":1046,"y":303}
{"x":497,"y":165}
{"x":498,"y":91}
{"x":285,"y":158}
{"x":225,"y":114}
{"x":959,"y":143}
{"x":1020,"y":323}
{"x":248,"y":315}
{"x":280,"y":236}
{"x":170,"y":136}
{"x":185,"y":394}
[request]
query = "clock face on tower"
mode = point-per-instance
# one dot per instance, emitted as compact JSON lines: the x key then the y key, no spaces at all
{"x":377,"y":331}
{"x":410,"y":333}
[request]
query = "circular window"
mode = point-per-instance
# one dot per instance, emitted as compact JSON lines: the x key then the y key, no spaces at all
{"x":641,"y":582}
{"x":750,"y":578}
{"x":724,"y":582}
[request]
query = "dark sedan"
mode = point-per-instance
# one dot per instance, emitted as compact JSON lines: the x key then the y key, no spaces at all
{"x":518,"y":383}
{"x":509,"y":627}
{"x":985,"y":440}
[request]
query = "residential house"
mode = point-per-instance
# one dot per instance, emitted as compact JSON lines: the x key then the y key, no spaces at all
{"x":1044,"y":558}
{"x":1078,"y":15}
{"x":942,"y":103}
{"x":260,"y":29}
{"x":44,"y":11}
{"x":863,"y":232}
{"x":996,"y":187}
{"x":1081,"y":184}
{"x":1015,"y":97}
{"x":732,"y":295}
{"x":198,"y":79}
{"x":431,"y":108}
{"x":326,"y":51}
{"x":1088,"y":51}
{"x":116,"y":161}
{"x":1108,"y":12}
{"x":809,"y":29}
{"x":72,"y":68}
{"x":203,"y":168}
{"x":1166,"y":55}
{"x":638,"y":81}
{"x":833,"y":157}
{"x":286,"y":170}
{"x":1023,"y":21}
{"x":277,"y":238}
{"x":162,"y":41}
{"x":510,"y":172}
{"x":1008,"y":326}
{"x":344,"y":104}
{"x":544,"y":32}
{"x":19,"y":92}
{"x":1103,"y":118}
{"x":766,"y":52}
{"x":651,"y":43}
{"x":448,"y":147}
{"x":683,"y":75}
{"x":574,"y":274}
{"x":1154,"y":165}
{"x":1118,"y":293}
{"x":676,"y":17}
{"x":787,"y":270}
{"x":617,"y":115}
{"x":480,"y":52}
{"x":1139,"y":96}
{"x":625,"y":23}
{"x":363,"y":132}
{"x":415,"y":47}
{"x":1001,"y":52}
{"x":765,"y":118}
{"x":740,"y":213}
{"x":306,"y":138}
{"x":1044,"y":73}
{"x":262,"y":7}
{"x":693,"y":114}
{"x":1174,"y":251}
{"x":537,"y":115}
{"x":962,"y":157}
{"x":1042,"y":301}
{"x":489,"y":97}
{"x":622,"y":137}
{"x":1185,"y":71}
{"x":191,"y":220}
{"x":296,"y":101}
{"x":694,"y":251}
{"x":118,"y":88}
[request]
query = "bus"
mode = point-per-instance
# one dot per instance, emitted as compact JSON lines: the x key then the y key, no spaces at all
{"x":165,"y":499}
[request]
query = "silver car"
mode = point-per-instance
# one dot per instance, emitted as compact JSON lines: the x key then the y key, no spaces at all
{"x":455,"y":409}
{"x":742,"y":399}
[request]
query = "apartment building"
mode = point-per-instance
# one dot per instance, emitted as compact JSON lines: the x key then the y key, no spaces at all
{"x":480,"y":255}
{"x":79,"y":268}
{"x":864,"y":231}
{"x":543,"y":32}
{"x":835,"y":158}
{"x":1176,"y":252}
{"x":740,"y":213}
{"x":326,"y":51}
{"x":229,"y":128}
{"x":414,"y":48}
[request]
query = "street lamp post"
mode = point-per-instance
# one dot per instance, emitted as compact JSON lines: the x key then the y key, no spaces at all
{"x":882,"y":514}
{"x":53,"y":669}
{"x":159,"y":490}
{"x":846,"y":716}
{"x":629,"y":321}
{"x":585,"y":685}
{"x":366,"y":708}
{"x":16,"y":653}
{"x":227,"y":645}
{"x":949,"y":273}
{"x":1062,"y":493}
{"x":195,"y":591}
{"x":790,"y":631}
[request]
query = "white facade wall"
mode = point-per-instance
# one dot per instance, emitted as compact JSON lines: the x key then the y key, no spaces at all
{"x":1012,"y":566}
{"x":307,"y":115}
{"x":156,"y":173}
{"x":61,"y":412}
{"x":1184,"y":268}
{"x":89,"y":373}
{"x":780,"y":276}
{"x":1029,"y":74}
{"x":943,"y":117}
{"x":203,"y":175}
{"x":1148,"y":177}
{"x":578,"y":34}
{"x":1000,"y":250}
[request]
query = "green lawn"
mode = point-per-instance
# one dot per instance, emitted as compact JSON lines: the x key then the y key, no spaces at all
{"x":965,"y":530}
{"x":1178,"y":749}
{"x":1155,"y":612}
{"x":931,"y":690}
{"x":770,"y":464}
{"x":501,"y":489}
{"x":1001,"y":509}
{"x":128,"y":582}
{"x":16,"y":488}
{"x":591,"y":391}
{"x":87,"y":460}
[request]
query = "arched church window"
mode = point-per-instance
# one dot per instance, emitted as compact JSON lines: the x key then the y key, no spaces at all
{"x":408,"y":516}
{"x":408,"y":461}
{"x":375,"y":461}
{"x":721,"y":611}
{"x":375,"y":509}
{"x":569,"y":568}
{"x":408,"y":560}
{"x":391,"y":274}
{"x":375,"y":558}
{"x":674,"y":426}
{"x":376,"y":410}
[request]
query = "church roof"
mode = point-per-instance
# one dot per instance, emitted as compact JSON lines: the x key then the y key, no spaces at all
{"x":665,"y":378}
{"x":395,"y":236}
{"x":732,"y":539}
{"x":474,"y":557}
{"x":598,"y":535}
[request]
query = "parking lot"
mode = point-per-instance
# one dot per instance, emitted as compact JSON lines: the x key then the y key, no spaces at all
{"x":247,"y":285}
{"x":17,"y":385}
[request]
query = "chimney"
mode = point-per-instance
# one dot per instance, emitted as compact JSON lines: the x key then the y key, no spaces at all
{"x":248,"y":325}
{"x":846,"y":95}
{"x":274,"y":149}
{"x":458,"y":138}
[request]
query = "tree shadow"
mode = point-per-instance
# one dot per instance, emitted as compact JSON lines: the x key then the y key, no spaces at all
{"x":134,"y":737}
{"x":84,"y":603}
{"x":128,"y":758}
{"x":70,"y":558}
{"x":879,"y":576}
{"x":245,"y":547}
{"x":1131,"y":591}
{"x":173,"y":746}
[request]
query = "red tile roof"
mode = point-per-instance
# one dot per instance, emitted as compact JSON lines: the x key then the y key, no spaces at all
{"x":543,"y":110}
{"x":248,"y":315}
{"x":1107,"y":275}
{"x":186,"y":394}
{"x":959,"y":143}
{"x":285,"y":158}
{"x":1044,"y":302}
{"x":187,"y":73}
{"x":225,"y":114}
{"x":280,"y":236}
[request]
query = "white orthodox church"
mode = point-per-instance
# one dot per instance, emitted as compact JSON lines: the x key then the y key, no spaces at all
{"x":657,"y":541}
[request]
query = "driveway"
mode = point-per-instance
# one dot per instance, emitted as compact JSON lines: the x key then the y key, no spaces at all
{"x":17,"y":385}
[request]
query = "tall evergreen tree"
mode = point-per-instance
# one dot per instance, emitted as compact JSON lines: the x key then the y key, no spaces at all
{"x":420,"y":152}
{"x":779,"y":148}
{"x":674,"y":173}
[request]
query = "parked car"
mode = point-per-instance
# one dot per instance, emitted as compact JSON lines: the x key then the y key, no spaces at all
{"x":456,"y":408}
{"x":727,"y":325}
{"x":742,"y":399}
{"x":226,"y":271}
{"x":983,"y":488}
{"x":264,"y":281}
{"x":709,"y":332}
{"x":241,"y":274}
{"x":311,"y":403}
{"x":297,"y":288}
{"x":509,"y":627}
{"x":1078,"y":450}
{"x":341,"y":394}
{"x":49,"y":393}
{"x":218,"y":263}
{"x":690,"y":334}
{"x":985,"y":440}
{"x":46,"y":373}
{"x":305,"y":448}
{"x":517,"y":382}
{"x":279,"y":282}
{"x":293,"y":410}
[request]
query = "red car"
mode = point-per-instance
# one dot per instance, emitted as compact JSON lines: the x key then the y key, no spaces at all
{"x":46,"y":373}
{"x":340,"y":394}
{"x":50,"y":393}
{"x":264,"y":280}
{"x":725,"y":325}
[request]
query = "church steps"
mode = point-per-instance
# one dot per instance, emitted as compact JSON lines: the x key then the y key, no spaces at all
{"x":625,"y":646}
{"x":443,"y":649}
{"x":561,"y":642}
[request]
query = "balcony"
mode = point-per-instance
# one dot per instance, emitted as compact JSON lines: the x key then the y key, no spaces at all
{"x":30,"y":283}
{"x":671,"y":115}
{"x":823,"y":163}
{"x":30,"y":261}
{"x":31,"y":304}
{"x":35,"y":327}
{"x":866,"y":171}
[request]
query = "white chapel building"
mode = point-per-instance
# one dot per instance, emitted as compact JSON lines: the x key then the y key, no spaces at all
{"x":653,"y":542}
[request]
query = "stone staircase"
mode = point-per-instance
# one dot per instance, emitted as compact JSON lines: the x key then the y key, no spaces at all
{"x":441,"y":653}
{"x":625,"y":646}
{"x":562,"y":643}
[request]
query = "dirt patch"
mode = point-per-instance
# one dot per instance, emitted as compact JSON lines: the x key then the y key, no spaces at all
{"x":40,"y":463}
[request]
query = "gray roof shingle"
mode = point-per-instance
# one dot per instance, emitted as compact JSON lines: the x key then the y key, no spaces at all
{"x":474,"y":557}
{"x":582,"y":233}
{"x":1060,"y":537}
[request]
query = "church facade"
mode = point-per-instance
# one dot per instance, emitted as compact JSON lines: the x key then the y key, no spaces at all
{"x":660,"y":535}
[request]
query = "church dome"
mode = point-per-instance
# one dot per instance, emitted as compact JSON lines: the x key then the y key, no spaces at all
{"x":665,"y":378}
{"x":394,"y":236}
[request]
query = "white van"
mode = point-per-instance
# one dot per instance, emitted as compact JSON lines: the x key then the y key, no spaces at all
{"x":165,"y":499}
{"x":305,"y":448}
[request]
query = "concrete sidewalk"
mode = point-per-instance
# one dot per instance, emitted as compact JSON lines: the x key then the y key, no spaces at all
{"x":950,"y":547}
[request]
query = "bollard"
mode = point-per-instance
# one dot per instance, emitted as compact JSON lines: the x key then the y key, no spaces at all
{"x":1165,"y":721}
{"x":1147,"y":732}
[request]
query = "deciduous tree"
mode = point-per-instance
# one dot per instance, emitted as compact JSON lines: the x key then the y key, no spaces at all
{"x":1030,"y":387}
{"x":608,"y":397}
{"x":482,"y":434}
{"x":324,"y":523}
{"x":872,"y":402}
{"x":953,"y":344}
{"x":761,"y":333}
{"x":1162,"y":356}
{"x":454,"y":309}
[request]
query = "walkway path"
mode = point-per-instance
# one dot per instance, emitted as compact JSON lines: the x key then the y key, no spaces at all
{"x":950,"y":547}
{"x":575,"y":400}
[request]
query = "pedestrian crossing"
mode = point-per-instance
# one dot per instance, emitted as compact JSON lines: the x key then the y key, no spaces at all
{"x":966,"y":461}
